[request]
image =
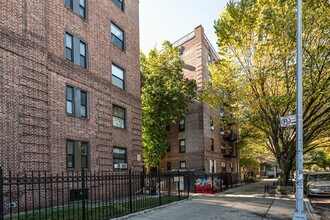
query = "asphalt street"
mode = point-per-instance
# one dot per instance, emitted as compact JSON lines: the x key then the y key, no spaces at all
{"x":322,"y":206}
{"x":245,"y":202}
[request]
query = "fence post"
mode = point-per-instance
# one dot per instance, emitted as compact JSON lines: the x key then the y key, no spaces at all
{"x":83,"y":194}
{"x":159,"y":194}
{"x":130,"y":191}
{"x":179,"y":185}
{"x":188,"y":180}
{"x":1,"y":194}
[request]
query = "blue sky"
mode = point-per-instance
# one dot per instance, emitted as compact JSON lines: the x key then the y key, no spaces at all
{"x":172,"y":19}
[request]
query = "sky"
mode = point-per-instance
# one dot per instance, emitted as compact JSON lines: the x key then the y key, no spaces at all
{"x":170,"y":20}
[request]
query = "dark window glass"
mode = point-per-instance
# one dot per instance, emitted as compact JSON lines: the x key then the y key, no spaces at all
{"x":118,"y":117}
{"x":182,"y":125}
{"x":169,"y":167}
{"x":169,"y":148}
{"x":69,"y":100}
{"x":182,"y":164}
{"x":68,"y":47}
{"x":212,"y":144}
{"x":117,"y":36}
{"x":119,"y":157}
{"x":119,"y":4}
{"x":182,"y":145}
{"x":118,"y":76}
{"x":223,"y":167}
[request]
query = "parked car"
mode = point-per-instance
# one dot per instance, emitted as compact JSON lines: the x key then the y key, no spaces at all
{"x":318,"y":184}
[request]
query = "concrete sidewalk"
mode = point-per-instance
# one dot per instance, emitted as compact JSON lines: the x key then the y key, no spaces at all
{"x":245,"y":202}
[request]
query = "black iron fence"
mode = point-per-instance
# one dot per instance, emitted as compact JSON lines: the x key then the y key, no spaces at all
{"x":86,"y":195}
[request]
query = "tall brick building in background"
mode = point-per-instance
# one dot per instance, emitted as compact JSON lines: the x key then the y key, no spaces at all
{"x":197,"y":144}
{"x":70,"y":85}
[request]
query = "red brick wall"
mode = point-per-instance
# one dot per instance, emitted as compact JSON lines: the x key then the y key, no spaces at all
{"x":34,"y":74}
{"x":197,"y":132}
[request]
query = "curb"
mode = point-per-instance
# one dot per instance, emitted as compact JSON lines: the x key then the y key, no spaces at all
{"x":311,"y":211}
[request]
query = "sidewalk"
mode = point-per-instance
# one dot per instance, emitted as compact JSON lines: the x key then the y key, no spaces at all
{"x":245,"y":202}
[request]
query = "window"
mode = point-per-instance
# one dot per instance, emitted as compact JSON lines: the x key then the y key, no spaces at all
{"x":117,"y":36}
{"x":82,"y":8}
{"x":223,"y":167}
{"x":231,"y":149}
{"x":209,"y":58}
{"x":212,"y":144}
{"x":213,"y":166}
{"x":119,"y":4}
{"x":72,"y":46}
{"x":169,"y":167}
{"x":182,"y":164}
{"x":68,"y":47}
{"x":223,"y":149}
{"x":168,"y":148}
{"x":182,"y":124}
{"x":119,"y":158}
{"x":182,"y":146}
{"x":76,"y":102}
{"x":211,"y":122}
{"x":77,"y":154}
{"x":78,"y":6}
{"x":82,"y":48}
{"x":118,"y":76}
{"x":118,"y":117}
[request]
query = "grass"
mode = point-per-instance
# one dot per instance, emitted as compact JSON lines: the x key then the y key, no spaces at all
{"x":95,"y":211}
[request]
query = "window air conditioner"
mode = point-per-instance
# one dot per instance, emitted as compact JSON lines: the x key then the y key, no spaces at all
{"x":122,"y":165}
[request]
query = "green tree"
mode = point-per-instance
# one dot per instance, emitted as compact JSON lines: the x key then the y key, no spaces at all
{"x":257,"y":46}
{"x":319,"y":158}
{"x":165,"y":98}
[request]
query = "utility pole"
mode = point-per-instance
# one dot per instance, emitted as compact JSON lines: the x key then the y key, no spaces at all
{"x":299,"y":212}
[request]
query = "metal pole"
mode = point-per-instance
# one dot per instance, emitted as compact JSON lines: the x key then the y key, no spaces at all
{"x":299,"y":212}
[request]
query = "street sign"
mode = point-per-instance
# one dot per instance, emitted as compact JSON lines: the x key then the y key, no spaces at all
{"x":288,"y":120}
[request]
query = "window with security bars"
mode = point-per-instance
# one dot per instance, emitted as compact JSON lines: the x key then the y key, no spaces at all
{"x":117,"y":36}
{"x":76,"y":102}
{"x":75,"y":50}
{"x":118,"y":117}
{"x":77,"y":154}
{"x":118,"y":76}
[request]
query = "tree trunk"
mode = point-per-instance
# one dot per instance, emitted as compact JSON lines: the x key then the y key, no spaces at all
{"x":284,"y":176}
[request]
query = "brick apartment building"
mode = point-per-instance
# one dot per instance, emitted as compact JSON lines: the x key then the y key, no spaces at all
{"x":70,"y":85}
{"x":197,"y":144}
